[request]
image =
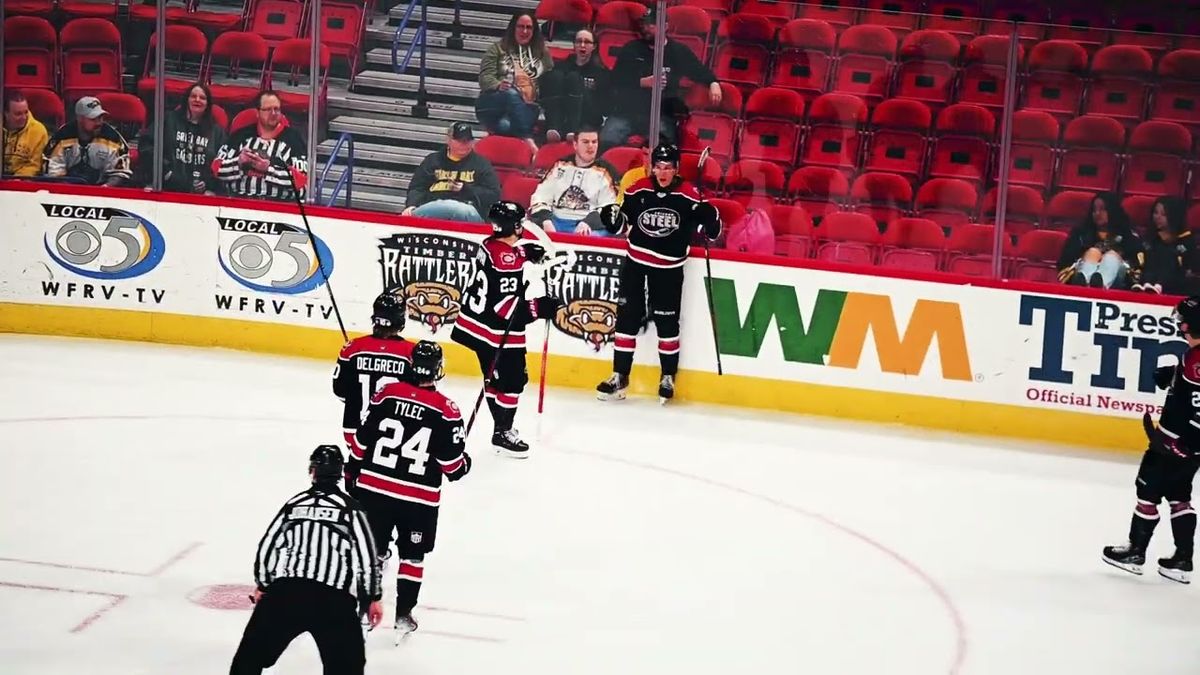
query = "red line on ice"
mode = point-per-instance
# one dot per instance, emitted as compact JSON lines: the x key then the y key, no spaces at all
{"x":960,"y":626}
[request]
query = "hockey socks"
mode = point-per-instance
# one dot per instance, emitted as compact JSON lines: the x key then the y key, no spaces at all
{"x":668,"y":355}
{"x":1183,"y":528}
{"x":1142,"y":524}
{"x":408,"y":585}
{"x":502,"y":406}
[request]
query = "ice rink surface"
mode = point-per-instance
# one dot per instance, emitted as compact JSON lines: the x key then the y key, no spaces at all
{"x":636,"y":539}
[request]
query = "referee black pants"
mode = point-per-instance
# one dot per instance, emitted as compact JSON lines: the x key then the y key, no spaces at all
{"x":290,"y":607}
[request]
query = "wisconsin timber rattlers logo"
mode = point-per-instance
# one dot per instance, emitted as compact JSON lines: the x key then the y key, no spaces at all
{"x":589,"y":294}
{"x":431,"y":271}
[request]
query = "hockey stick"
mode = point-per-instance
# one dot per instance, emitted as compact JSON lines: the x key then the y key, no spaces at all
{"x":495,"y":360}
{"x":312,"y":241}
{"x":566,"y":262}
{"x":712,"y":310}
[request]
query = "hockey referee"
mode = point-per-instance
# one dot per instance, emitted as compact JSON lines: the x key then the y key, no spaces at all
{"x":315,"y":565}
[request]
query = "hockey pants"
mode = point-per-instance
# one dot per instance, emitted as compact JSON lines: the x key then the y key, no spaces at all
{"x":503,"y":387}
{"x":664,"y":289}
{"x":290,"y":607}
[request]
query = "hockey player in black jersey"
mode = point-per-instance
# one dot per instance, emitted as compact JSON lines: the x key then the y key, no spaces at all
{"x":660,"y":213}
{"x":411,"y":438}
{"x":1169,"y":463}
{"x":493,"y":317}
{"x":369,"y":362}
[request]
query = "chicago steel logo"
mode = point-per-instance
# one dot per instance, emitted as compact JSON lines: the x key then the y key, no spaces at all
{"x":658,"y":222}
{"x":431,"y":271}
{"x":271,"y":257}
{"x":101,"y":242}
{"x":589,"y":293}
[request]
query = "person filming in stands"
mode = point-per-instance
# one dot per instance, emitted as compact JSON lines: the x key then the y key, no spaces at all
{"x":493,"y":317}
{"x":410,"y":439}
{"x":660,"y":214}
{"x":256,"y":159}
{"x":1170,"y":461}
{"x":316,"y":571}
{"x":369,"y":362}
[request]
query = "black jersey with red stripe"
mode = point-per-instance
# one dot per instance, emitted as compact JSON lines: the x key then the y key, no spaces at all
{"x":662,"y":220}
{"x":495,"y":293}
{"x":364,"y":366}
{"x":1181,"y":411}
{"x":411,"y":438}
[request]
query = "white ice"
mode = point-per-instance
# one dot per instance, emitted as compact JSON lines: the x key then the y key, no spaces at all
{"x":637,"y":539}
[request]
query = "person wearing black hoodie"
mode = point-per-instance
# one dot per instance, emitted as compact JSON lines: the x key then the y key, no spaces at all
{"x":1102,"y":251}
{"x":1172,"y":259}
{"x":574,"y":93}
{"x":191,"y":140}
{"x":633,"y":83}
{"x":454,"y":183}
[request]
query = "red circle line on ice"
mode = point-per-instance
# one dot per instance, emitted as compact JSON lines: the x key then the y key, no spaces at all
{"x":960,"y":627}
{"x":943,"y":596}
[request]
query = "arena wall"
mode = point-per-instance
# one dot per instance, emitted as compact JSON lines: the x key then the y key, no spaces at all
{"x":965,"y":354}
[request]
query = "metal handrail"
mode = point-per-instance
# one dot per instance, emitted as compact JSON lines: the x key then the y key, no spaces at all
{"x":421,"y":109}
{"x":347,"y":179}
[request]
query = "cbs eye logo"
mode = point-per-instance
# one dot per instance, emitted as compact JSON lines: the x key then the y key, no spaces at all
{"x":275,"y":258}
{"x":129,"y":246}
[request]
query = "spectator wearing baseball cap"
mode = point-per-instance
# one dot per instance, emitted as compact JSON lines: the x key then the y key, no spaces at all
{"x":89,"y":150}
{"x":455,"y":183}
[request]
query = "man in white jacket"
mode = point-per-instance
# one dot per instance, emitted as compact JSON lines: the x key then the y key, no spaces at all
{"x":568,"y":198}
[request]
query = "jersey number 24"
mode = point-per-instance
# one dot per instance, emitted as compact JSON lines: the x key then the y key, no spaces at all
{"x":415,"y":449}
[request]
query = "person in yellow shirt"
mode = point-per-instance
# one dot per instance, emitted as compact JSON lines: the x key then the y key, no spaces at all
{"x":24,"y":138}
{"x":634,"y":175}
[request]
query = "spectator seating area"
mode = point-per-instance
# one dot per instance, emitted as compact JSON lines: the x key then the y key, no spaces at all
{"x":75,"y":48}
{"x":836,"y":114}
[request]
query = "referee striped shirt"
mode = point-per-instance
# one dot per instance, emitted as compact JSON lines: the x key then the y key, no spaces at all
{"x":321,"y":534}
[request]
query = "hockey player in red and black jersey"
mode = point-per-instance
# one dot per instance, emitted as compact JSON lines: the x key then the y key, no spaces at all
{"x":1169,"y":463}
{"x":493,"y":317}
{"x":411,"y":438}
{"x":367,"y":363}
{"x":661,"y":213}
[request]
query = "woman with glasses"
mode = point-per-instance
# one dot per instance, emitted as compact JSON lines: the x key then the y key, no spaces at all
{"x":191,"y":139}
{"x":509,"y":75}
{"x":573,"y":93}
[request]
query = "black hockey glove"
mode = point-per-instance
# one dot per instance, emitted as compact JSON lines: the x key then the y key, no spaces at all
{"x":1163,"y":376}
{"x":1171,"y":445}
{"x":535,"y":253}
{"x":545,"y":307}
{"x":466,"y":469}
{"x":350,"y":474}
{"x":708,"y":221}
{"x":1148,"y":427}
{"x":613,"y":218}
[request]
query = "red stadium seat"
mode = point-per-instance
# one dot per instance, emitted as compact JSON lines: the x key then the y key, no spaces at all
{"x":506,"y":151}
{"x":1090,"y":160}
{"x":776,"y":11}
{"x":848,"y":238}
{"x":290,"y":63}
{"x":277,"y":20}
{"x":707,"y":177}
{"x":1054,"y":83}
{"x":926,"y":71}
{"x":804,"y":59}
{"x":949,"y":202}
{"x":690,"y":26}
{"x":706,"y":130}
{"x":962,"y":145}
{"x":1036,"y":256}
{"x":186,"y":50}
{"x":820,"y":190}
{"x":91,"y":58}
{"x":1031,"y":160}
{"x":519,"y":189}
{"x":898,"y":143}
{"x":1067,"y":209}
{"x":882,"y":196}
{"x":915,"y":244}
{"x":970,"y":249}
{"x":835,"y":12}
{"x":833,"y":138}
{"x":342,"y":26}
{"x":237,"y":68}
{"x":125,"y":111}
{"x":1156,"y":159}
{"x":748,"y":179}
{"x":1145,"y":27}
{"x":623,"y":158}
{"x":741,"y":56}
{"x":572,"y":13}
{"x":1029,"y":15}
{"x":1138,"y":208}
{"x":42,"y":8}
{"x":1178,"y":95}
{"x":958,"y":18}
{"x":1120,"y":82}
{"x":30,"y":53}
{"x":899,"y":16}
{"x":619,"y":15}
{"x":985,"y":71}
{"x":1023,"y":210}
{"x":550,"y":153}
{"x":220,"y":117}
{"x":46,"y":106}
{"x":865,"y":64}
{"x":95,"y":9}
{"x":793,"y":231}
{"x":772,"y":128}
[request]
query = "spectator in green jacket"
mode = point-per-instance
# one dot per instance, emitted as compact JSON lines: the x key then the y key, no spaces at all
{"x":508,"y":79}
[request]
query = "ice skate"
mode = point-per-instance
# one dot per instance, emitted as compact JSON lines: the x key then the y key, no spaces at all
{"x":1125,"y":557}
{"x":613,"y":389}
{"x":666,"y":389}
{"x":1176,"y":568}
{"x":509,"y":444}
{"x":405,"y":626}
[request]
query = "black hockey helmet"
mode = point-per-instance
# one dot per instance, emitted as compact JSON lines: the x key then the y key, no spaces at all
{"x":506,"y":218}
{"x":665,"y":152}
{"x":427,"y":362}
{"x":388,"y":312}
{"x":1187,"y":313}
{"x":325,"y":462}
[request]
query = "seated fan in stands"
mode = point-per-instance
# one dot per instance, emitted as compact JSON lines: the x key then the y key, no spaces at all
{"x":89,"y":149}
{"x":569,"y":197}
{"x":191,"y":140}
{"x":1172,"y":258}
{"x":1102,"y":251}
{"x":576,"y":91}
{"x":509,"y":79}
{"x":24,"y":137}
{"x":454,"y":183}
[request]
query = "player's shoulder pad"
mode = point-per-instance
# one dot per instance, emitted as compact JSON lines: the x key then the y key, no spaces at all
{"x":687,"y":189}
{"x":1191,"y":366}
{"x":641,"y":184}
{"x":450,"y":409}
{"x":390,"y":390}
{"x":502,"y":256}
